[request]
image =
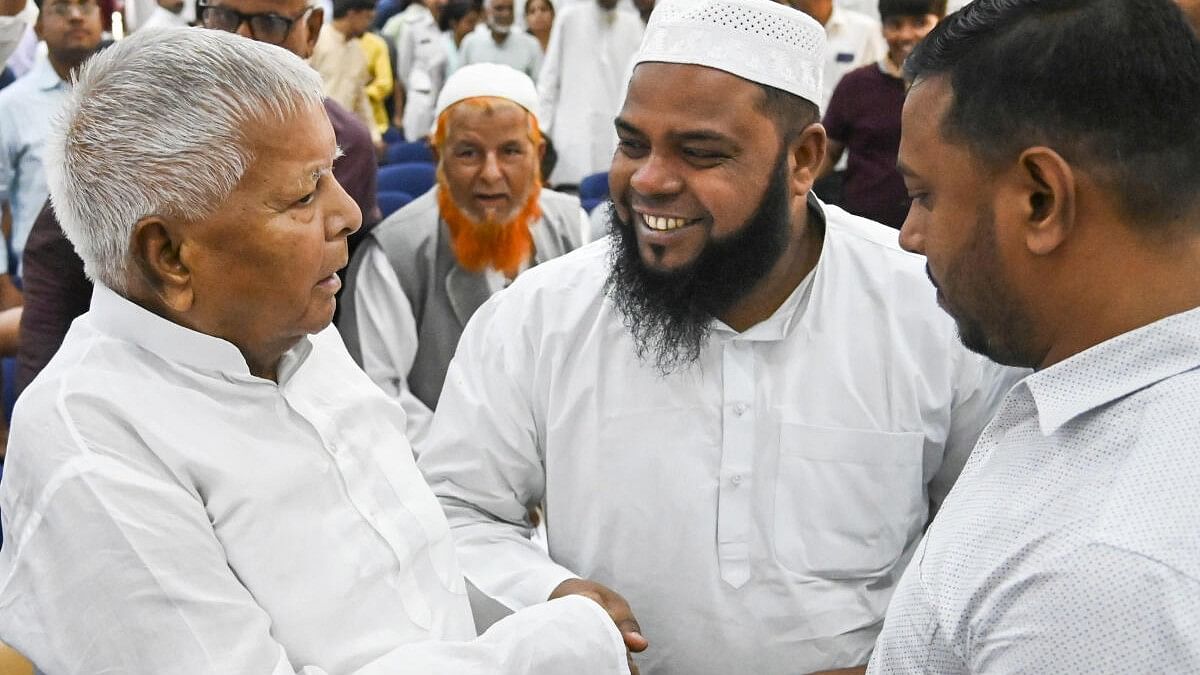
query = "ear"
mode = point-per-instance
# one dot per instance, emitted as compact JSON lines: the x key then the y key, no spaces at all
{"x":1046,"y":199}
{"x":805,"y":153}
{"x":316,"y":19}
{"x":541,"y":150}
{"x":156,"y":247}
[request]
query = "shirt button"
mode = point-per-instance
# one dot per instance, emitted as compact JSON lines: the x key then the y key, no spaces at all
{"x":739,"y":409}
{"x":736,"y":479}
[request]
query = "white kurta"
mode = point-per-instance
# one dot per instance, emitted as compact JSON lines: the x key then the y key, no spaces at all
{"x":422,"y":62}
{"x":165,"y":511}
{"x":582,"y":86}
{"x":757,"y":510}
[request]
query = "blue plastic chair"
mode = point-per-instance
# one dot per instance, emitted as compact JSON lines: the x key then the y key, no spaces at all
{"x":594,"y":186}
{"x":415,"y":178}
{"x":391,"y":201}
{"x":393,"y":135}
{"x":402,"y":153}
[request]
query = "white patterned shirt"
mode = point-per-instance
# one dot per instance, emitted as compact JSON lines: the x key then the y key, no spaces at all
{"x":1071,"y":543}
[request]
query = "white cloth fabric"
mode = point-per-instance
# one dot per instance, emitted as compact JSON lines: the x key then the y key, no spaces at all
{"x":12,"y":29}
{"x":488,"y":79}
{"x":756,"y":510}
{"x":519,"y":50}
{"x":757,"y":40}
{"x":387,"y":330}
{"x":852,"y":40}
{"x":1071,"y":541}
{"x":422,"y":65}
{"x":164,"y":18}
{"x":582,"y":86}
{"x":165,"y":511}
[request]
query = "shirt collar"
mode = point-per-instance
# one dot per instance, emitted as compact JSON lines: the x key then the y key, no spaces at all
{"x":43,"y":76}
{"x":1115,"y":368}
{"x":834,"y":22}
{"x":127,"y":321}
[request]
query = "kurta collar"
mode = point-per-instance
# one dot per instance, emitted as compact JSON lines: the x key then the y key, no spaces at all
{"x":125,"y":320}
{"x":1115,"y":368}
{"x":779,"y":324}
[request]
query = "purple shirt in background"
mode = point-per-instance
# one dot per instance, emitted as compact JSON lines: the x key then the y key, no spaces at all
{"x":864,"y":115}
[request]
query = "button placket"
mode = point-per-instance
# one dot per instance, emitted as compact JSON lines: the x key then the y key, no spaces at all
{"x":737,"y":443}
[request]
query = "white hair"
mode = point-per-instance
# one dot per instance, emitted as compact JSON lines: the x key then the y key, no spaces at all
{"x":156,"y":125}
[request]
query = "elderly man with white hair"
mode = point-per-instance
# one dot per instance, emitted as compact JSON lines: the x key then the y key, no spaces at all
{"x":202,"y":481}
{"x":742,"y":408}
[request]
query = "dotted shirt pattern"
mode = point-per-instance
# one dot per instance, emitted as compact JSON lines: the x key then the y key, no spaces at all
{"x":1072,"y":541}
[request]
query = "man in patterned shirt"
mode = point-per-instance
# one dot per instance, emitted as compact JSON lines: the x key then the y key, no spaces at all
{"x":1057,"y":198}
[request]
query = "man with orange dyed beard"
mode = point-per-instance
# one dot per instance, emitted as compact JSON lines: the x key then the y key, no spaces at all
{"x":425,"y":270}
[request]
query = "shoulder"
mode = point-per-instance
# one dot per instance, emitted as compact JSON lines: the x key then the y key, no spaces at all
{"x":1153,"y":505}
{"x":416,"y":221}
{"x":562,"y":284}
{"x":866,"y":239}
{"x":469,"y":41}
{"x":559,"y":200}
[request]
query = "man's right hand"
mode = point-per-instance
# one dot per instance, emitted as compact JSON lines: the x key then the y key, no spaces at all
{"x":617,"y":608}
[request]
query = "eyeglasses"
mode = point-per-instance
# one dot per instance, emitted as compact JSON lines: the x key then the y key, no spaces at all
{"x":65,"y":9}
{"x":265,"y":27}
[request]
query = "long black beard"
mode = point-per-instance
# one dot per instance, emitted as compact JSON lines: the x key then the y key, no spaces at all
{"x":670,"y":314}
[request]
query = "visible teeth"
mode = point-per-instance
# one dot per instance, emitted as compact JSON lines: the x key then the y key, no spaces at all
{"x":663,"y":224}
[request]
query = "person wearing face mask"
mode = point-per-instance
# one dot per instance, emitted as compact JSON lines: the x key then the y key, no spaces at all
{"x":864,"y":116}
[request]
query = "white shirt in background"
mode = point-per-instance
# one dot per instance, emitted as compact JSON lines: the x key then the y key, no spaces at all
{"x":165,"y":511}
{"x":1072,"y":540}
{"x":851,"y":40}
{"x":582,"y":85}
{"x":165,"y":18}
{"x":756,"y":510}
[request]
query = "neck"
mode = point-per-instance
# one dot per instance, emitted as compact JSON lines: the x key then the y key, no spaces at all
{"x":262,"y":361}
{"x":794,"y":264}
{"x":63,"y":65}
{"x":1123,"y":292}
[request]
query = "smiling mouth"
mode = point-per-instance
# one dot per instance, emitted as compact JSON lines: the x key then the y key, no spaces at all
{"x":665,"y":223}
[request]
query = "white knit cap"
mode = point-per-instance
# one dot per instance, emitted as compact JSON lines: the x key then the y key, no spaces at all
{"x":757,"y":40}
{"x":488,"y":79}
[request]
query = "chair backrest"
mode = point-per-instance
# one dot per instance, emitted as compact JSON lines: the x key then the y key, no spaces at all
{"x":594,"y":186}
{"x":402,"y":152}
{"x":391,"y":201}
{"x":415,"y":178}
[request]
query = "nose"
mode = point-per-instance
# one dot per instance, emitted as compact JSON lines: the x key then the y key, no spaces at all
{"x":490,"y":171}
{"x":344,"y":217}
{"x":243,"y":28}
{"x":655,"y":177}
{"x":912,"y":235}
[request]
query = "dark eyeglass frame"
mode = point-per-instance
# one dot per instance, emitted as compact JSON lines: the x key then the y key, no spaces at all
{"x":263,"y":25}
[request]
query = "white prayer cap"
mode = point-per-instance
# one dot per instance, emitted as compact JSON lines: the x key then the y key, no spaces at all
{"x":757,"y":40}
{"x":488,"y":79}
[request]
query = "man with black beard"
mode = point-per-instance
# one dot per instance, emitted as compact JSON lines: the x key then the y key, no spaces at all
{"x":741,"y":409}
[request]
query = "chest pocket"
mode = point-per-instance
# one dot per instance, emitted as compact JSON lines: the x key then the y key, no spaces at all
{"x":846,"y":500}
